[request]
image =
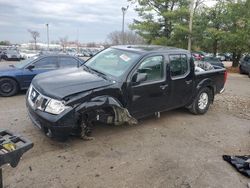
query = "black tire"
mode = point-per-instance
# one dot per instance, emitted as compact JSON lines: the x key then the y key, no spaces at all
{"x":249,"y":74}
{"x":200,"y":105}
{"x":5,"y":58}
{"x":8,"y":87}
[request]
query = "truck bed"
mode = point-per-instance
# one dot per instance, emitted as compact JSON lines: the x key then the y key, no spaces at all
{"x":217,"y":76}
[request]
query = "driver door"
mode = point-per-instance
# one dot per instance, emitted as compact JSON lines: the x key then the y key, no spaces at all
{"x":149,"y":94}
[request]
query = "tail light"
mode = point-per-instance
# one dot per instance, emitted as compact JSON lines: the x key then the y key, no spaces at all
{"x":225,"y":77}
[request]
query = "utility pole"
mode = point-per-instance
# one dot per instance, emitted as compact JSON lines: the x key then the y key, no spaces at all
{"x":190,"y":25}
{"x":124,"y":10}
{"x":47,"y":25}
{"x":77,"y":40}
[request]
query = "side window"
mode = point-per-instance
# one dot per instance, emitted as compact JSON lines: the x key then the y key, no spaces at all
{"x":178,"y":65}
{"x":153,"y":67}
{"x":65,"y":62}
{"x":46,"y":63}
{"x":247,"y":59}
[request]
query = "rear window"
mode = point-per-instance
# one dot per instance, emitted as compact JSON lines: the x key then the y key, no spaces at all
{"x":178,"y":65}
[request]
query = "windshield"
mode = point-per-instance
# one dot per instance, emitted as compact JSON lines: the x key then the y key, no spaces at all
{"x":25,"y":62}
{"x":112,"y":62}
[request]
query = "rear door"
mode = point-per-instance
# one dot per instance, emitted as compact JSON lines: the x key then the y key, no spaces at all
{"x":182,"y":79}
{"x":41,"y":65}
{"x":150,"y":95}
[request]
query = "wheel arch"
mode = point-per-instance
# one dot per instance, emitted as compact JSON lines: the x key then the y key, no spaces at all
{"x":121,"y":114}
{"x":209,"y":83}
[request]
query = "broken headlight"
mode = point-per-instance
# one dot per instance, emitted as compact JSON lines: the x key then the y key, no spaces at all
{"x":55,"y":107}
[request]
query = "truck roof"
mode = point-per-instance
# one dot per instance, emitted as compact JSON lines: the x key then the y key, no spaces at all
{"x":149,"y":48}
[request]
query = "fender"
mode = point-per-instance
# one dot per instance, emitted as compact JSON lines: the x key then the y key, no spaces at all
{"x":204,"y":83}
{"x":208,"y":82}
{"x":121,"y":114}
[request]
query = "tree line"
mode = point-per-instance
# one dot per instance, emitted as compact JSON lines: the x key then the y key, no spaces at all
{"x":223,"y":27}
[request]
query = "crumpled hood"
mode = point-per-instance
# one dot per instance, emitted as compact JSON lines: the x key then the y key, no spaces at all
{"x":62,"y":83}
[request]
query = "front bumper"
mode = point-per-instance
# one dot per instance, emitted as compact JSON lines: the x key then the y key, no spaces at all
{"x":60,"y":125}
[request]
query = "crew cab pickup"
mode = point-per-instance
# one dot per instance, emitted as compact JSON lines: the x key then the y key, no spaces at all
{"x":120,"y":85}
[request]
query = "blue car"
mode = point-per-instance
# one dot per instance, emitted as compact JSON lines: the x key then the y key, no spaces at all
{"x":19,"y":76}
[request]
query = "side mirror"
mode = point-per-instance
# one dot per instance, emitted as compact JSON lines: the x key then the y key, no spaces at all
{"x":30,"y":67}
{"x":139,"y":77}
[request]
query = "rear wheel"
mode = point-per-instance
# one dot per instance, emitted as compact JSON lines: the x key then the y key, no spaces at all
{"x":8,"y":87}
{"x":5,"y":58}
{"x":202,"y":101}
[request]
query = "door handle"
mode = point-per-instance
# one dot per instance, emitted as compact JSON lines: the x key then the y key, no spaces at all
{"x":163,"y":87}
{"x":189,"y":82}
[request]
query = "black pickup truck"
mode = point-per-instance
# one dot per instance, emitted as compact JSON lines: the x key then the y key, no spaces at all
{"x":120,"y":85}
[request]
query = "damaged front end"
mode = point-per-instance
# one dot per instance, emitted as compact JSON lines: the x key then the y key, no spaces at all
{"x":104,"y":109}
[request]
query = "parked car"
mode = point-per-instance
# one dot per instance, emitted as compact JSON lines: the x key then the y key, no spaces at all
{"x":120,"y":85}
{"x":19,"y":76}
{"x":25,"y":54}
{"x":11,"y":54}
{"x":228,"y":56}
{"x":213,"y":61}
{"x":197,"y":56}
{"x":245,"y":65}
{"x":221,"y":56}
{"x":71,"y":52}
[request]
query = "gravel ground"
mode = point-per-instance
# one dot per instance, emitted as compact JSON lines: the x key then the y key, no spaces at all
{"x":177,"y":150}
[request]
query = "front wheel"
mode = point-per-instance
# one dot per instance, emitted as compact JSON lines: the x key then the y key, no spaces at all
{"x":202,"y":101}
{"x":8,"y":87}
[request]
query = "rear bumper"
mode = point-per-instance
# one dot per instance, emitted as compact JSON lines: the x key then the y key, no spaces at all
{"x":60,"y":125}
{"x":222,"y":90}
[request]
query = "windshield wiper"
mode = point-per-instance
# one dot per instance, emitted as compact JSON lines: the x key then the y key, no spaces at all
{"x":94,"y":70}
{"x":89,"y":69}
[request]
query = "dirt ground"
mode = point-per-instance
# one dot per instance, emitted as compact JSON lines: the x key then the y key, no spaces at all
{"x":179,"y":150}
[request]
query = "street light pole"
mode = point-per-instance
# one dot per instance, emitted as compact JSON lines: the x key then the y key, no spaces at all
{"x":47,"y":25}
{"x":124,"y":10}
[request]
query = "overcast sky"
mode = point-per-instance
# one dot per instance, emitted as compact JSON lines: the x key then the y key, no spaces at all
{"x":91,"y":19}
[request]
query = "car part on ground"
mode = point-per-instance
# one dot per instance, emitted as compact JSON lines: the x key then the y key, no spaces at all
{"x":240,"y":163}
{"x":12,"y":148}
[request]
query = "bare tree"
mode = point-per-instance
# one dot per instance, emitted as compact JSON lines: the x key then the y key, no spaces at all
{"x":34,"y":35}
{"x":64,"y":42}
{"x":116,"y":38}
